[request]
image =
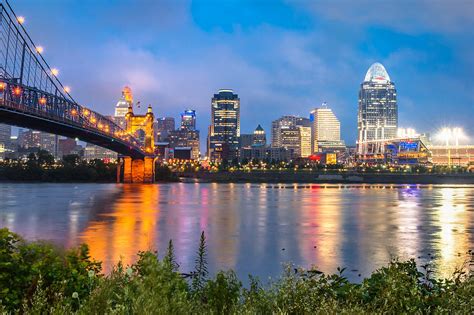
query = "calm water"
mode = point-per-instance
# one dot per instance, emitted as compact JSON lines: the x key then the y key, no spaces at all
{"x":251,"y":228}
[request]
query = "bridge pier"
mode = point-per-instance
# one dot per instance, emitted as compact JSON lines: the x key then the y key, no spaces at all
{"x":138,"y":170}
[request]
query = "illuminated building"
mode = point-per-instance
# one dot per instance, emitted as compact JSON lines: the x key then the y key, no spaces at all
{"x":305,"y":141}
{"x":162,"y":127}
{"x":292,"y":133}
{"x":67,"y":146}
{"x":49,"y":142}
{"x":185,"y":138}
{"x":224,"y":133}
{"x":259,"y":137}
{"x":265,"y":153}
{"x":188,"y":119}
{"x":326,"y":130}
{"x":94,"y":152}
{"x":283,"y":122}
{"x":5,"y":134}
{"x":121,"y":109}
{"x":460,"y":155}
{"x":378,"y":111}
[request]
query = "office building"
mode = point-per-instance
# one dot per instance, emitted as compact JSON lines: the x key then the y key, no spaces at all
{"x":5,"y":134}
{"x":286,"y":121}
{"x":259,"y":137}
{"x":325,"y":129}
{"x":188,"y":119}
{"x":185,"y":138}
{"x":246,"y":140}
{"x":305,"y":141}
{"x":224,"y":131}
{"x":162,"y":127}
{"x":378,"y":111}
{"x":94,"y":152}
{"x":49,"y":142}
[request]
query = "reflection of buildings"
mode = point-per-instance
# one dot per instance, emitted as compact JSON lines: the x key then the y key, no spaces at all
{"x":378,"y":111}
{"x":133,"y":228}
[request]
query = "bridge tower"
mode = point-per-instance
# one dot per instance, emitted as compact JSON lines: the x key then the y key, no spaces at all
{"x":141,"y":127}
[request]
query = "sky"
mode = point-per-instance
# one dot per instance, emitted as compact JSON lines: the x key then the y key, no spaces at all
{"x":280,"y":57}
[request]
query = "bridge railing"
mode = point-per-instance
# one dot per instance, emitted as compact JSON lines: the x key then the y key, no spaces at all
{"x":35,"y":102}
{"x":28,"y":84}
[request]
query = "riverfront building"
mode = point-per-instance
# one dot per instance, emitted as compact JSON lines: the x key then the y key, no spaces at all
{"x":292,"y":133}
{"x":224,"y":131}
{"x":378,"y":111}
{"x":325,"y":129}
{"x":162,"y":127}
{"x":188,"y":119}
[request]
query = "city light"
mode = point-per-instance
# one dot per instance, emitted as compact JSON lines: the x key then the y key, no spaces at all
{"x":67,"y":89}
{"x":21,"y":19}
{"x":55,"y":72}
{"x":17,"y":91}
{"x":451,"y":136}
{"x":2,"y":86}
{"x":42,"y":101}
{"x":407,"y":133}
{"x":39,"y":49}
{"x":73,"y":111}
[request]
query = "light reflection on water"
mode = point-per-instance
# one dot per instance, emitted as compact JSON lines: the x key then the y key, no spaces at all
{"x":252,"y":228}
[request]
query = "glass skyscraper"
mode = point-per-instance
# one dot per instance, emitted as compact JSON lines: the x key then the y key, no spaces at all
{"x":378,"y":110}
{"x":224,"y":132}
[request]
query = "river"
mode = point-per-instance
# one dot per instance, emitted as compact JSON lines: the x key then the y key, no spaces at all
{"x":252,"y":228}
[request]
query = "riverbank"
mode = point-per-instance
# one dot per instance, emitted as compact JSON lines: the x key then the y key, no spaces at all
{"x":37,"y":277}
{"x":302,"y":176}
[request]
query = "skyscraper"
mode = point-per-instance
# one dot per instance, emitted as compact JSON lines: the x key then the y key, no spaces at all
{"x":188,"y":119}
{"x":162,"y":127}
{"x":224,"y":133}
{"x":5,"y":134}
{"x":259,"y":137}
{"x":325,"y":128}
{"x":378,"y":111}
{"x":286,"y":121}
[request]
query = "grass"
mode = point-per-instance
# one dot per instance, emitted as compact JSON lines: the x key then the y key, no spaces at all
{"x":39,"y":278}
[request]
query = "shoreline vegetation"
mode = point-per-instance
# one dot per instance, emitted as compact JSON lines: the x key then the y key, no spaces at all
{"x":42,"y":167}
{"x":39,"y":278}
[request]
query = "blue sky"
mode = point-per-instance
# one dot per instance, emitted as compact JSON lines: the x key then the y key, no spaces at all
{"x":281,"y":57}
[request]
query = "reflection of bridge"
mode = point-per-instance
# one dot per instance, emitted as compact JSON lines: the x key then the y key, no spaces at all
{"x":32,"y":96}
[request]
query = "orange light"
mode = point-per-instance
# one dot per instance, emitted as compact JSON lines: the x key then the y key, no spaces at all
{"x":86,"y":112}
{"x":93,"y":120}
{"x":73,"y":111}
{"x":17,"y":91}
{"x":67,"y":89}
{"x":20,"y":19}
{"x":55,"y":72}
{"x":42,"y":101}
{"x":39,"y":49}
{"x":2,"y":86}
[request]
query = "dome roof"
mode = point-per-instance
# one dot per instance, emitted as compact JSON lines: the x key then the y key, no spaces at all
{"x":377,"y":73}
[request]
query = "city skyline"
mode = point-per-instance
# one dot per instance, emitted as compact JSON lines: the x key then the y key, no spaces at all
{"x":427,"y":61}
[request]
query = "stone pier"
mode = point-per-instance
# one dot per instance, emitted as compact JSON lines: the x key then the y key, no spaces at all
{"x":138,"y":170}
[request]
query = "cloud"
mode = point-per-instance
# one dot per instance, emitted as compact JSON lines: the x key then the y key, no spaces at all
{"x":408,"y":16}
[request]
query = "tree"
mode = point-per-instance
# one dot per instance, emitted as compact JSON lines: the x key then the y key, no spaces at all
{"x":200,"y":269}
{"x":71,"y":159}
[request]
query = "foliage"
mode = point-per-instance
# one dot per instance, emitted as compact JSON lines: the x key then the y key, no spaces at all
{"x":40,"y":278}
{"x":41,"y":166}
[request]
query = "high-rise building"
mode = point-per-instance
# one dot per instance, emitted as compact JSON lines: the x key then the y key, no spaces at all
{"x":93,"y":152}
{"x":121,"y":109}
{"x":29,"y":139}
{"x":49,"y":142}
{"x":286,"y":121}
{"x":246,"y":140}
{"x":188,"y":119}
{"x":259,"y":137}
{"x":5,"y":134}
{"x":378,"y":111}
{"x":325,"y":128}
{"x":225,"y":126}
{"x":182,"y":138}
{"x":290,"y":139}
{"x":162,"y":127}
{"x":305,"y":141}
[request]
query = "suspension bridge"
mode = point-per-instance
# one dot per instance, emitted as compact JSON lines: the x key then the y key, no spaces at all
{"x":32,"y":96}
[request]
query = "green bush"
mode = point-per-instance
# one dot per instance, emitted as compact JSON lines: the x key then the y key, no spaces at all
{"x":39,"y":278}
